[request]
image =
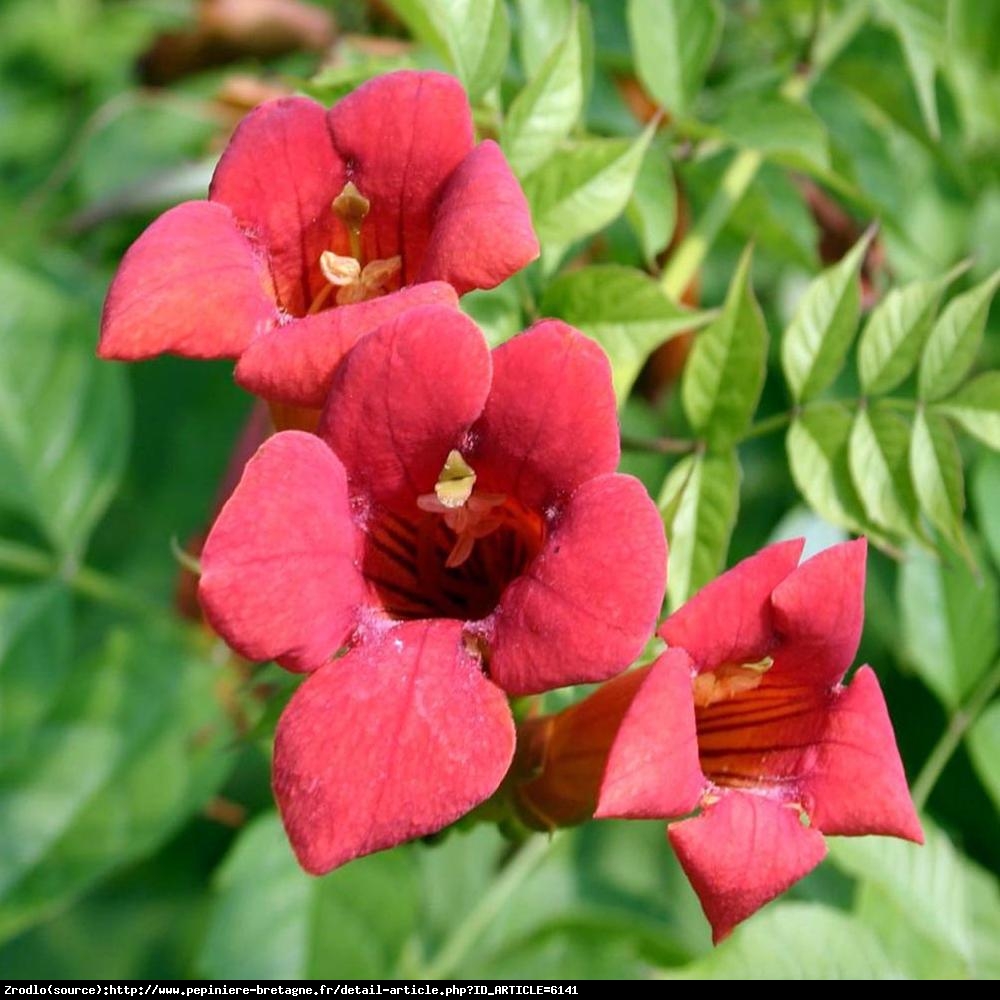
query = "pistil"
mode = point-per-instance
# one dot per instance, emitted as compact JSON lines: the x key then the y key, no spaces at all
{"x":470,"y":515}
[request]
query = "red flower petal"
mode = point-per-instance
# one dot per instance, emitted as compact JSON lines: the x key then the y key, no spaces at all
{"x":294,"y":364}
{"x":401,"y":136}
{"x":482,"y":227}
{"x":741,"y":852}
{"x":857,"y":784}
{"x":653,"y":770}
{"x":279,"y":175}
{"x":819,"y":612}
{"x":585,"y":607}
{"x":729,"y":619}
{"x":191,"y":284}
{"x":402,"y":399}
{"x":550,"y":423}
{"x":279,"y":575}
{"x":395,"y":740}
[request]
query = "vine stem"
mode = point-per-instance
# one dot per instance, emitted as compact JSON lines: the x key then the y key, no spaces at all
{"x":658,"y":445}
{"x":952,"y":736}
{"x":87,"y":582}
{"x":458,"y":945}
{"x":689,"y":256}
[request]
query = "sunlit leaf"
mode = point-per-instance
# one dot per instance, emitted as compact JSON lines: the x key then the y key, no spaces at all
{"x":624,"y":310}
{"x":930,"y":892}
{"x":895,"y":333}
{"x":652,"y":209}
{"x":976,"y":408}
{"x":674,"y":42}
{"x":700,"y":497}
{"x":949,"y":622}
{"x":954,"y":340}
{"x":725,"y":371}
{"x":474,"y":35}
{"x":878,"y":457}
{"x":938,"y":478}
{"x":583,"y":188}
{"x":795,"y":941}
{"x":816,"y":342}
{"x":544,"y":113}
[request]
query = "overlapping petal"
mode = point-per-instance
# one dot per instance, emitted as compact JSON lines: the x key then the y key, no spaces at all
{"x":586,"y":605}
{"x":856,"y":784}
{"x":192,"y":284}
{"x":819,"y":613}
{"x":551,"y":422}
{"x":294,"y":364}
{"x":403,"y":398}
{"x":400,"y":137}
{"x":278,"y":175}
{"x":730,"y":619}
{"x":481,"y":196}
{"x":398,"y":738}
{"x":280,"y":577}
{"x":208,"y":277}
{"x":743,"y":851}
{"x":653,"y":769}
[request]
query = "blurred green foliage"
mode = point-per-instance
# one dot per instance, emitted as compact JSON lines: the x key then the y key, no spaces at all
{"x":137,"y":835}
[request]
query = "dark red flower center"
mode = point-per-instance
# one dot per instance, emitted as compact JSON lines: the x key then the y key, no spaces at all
{"x":455,"y":553}
{"x":754,"y":732}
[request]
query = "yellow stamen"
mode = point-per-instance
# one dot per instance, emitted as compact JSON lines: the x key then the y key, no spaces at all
{"x":470,"y":515}
{"x":338,"y":270}
{"x":729,"y":680}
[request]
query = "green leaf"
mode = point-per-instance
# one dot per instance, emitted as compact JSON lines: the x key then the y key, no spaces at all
{"x":583,"y":188}
{"x":624,"y":310}
{"x":794,"y":941}
{"x":674,"y":42}
{"x":784,"y":131}
{"x":137,"y":742}
{"x":35,"y":650}
{"x":976,"y":408}
{"x":984,"y":490}
{"x":64,"y":415}
{"x":878,"y":457}
{"x":894,"y":335}
{"x":724,"y":374}
{"x":819,"y":336}
{"x":700,"y":499}
{"x":936,"y":468}
{"x":652,"y":209}
{"x":930,"y":888}
{"x":817,"y":445}
{"x":473,"y":35}
{"x":541,"y":26}
{"x":544,"y":113}
{"x":922,"y":30}
{"x":983,"y":740}
{"x":271,"y":920}
{"x":954,"y":341}
{"x":949,"y":621}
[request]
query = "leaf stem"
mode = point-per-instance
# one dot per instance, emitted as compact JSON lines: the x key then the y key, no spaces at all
{"x":768,"y":425}
{"x":468,"y":932}
{"x":90,"y":583}
{"x":658,"y":445}
{"x":952,"y":736}
{"x":690,"y":254}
